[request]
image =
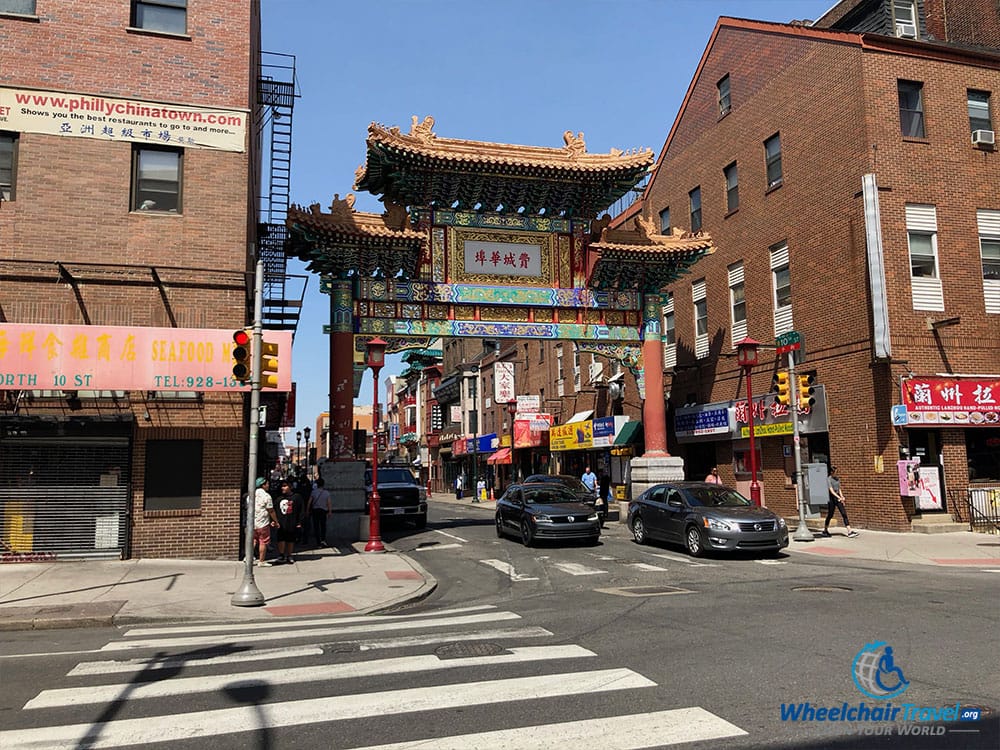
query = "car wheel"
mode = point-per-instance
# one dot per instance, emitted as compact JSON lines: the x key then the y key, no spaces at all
{"x":694,"y":541}
{"x":638,"y":530}
{"x":499,"y":526}
{"x":527,"y":534}
{"x":421,"y":521}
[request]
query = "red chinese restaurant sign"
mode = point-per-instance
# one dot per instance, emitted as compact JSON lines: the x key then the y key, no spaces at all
{"x":952,"y":401}
{"x":118,"y":358}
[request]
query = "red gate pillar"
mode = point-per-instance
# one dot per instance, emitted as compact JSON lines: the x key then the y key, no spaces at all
{"x":654,"y":413}
{"x":341,"y":370}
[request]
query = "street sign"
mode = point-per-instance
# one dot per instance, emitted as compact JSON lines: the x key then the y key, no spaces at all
{"x":789,"y":341}
{"x":899,"y":416}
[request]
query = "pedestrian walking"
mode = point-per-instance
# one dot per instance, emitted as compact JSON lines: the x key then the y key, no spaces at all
{"x":459,"y":482}
{"x":836,"y":501}
{"x":589,"y":479}
{"x":289,"y":511}
{"x":320,"y":510}
{"x":480,"y":490}
{"x":713,"y":476}
{"x":263,"y":519}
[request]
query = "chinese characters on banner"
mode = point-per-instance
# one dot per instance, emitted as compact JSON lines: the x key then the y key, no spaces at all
{"x":503,"y":258}
{"x":968,"y":402}
{"x":503,"y":382}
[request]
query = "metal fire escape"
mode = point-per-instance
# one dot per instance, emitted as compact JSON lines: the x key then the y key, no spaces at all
{"x":277,"y":91}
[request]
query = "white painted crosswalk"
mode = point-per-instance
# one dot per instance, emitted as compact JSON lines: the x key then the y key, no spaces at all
{"x":168,"y":692}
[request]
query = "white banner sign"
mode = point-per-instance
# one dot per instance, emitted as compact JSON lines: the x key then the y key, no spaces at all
{"x":106,"y":119}
{"x":503,"y":258}
{"x":528,"y":404}
{"x":456,"y":413}
{"x":503,"y":382}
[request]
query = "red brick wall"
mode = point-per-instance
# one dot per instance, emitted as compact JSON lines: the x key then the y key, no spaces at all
{"x":72,"y":207}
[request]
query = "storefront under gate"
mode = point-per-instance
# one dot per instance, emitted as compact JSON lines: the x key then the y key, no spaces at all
{"x":64,"y":489}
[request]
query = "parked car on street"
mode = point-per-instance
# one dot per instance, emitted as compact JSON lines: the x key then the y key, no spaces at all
{"x":400,"y":495}
{"x":542,"y":510}
{"x":573,"y":484}
{"x":705,"y":517}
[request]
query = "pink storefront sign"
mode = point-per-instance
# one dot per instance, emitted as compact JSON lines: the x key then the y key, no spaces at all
{"x":119,"y":358}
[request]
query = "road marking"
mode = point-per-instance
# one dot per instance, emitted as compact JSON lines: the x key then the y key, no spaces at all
{"x":508,"y":569}
{"x":296,"y":675}
{"x":256,"y":637}
{"x":685,"y":560}
{"x":260,"y":716}
{"x":575,"y":569}
{"x":426,"y":640}
{"x":672,"y":727}
{"x":647,"y":566}
{"x":432,"y":547}
{"x":450,"y":536}
{"x":772,"y":562}
{"x":146,"y":665}
{"x":990,"y":570}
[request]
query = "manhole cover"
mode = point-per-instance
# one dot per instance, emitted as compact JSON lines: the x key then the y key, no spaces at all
{"x":462,"y":650}
{"x":822,"y":589}
{"x":645,"y":590}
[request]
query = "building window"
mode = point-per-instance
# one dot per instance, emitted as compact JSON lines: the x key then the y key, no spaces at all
{"x":559,"y":361}
{"x":541,"y":353}
{"x":982,"y":454}
{"x":21,"y":7}
{"x":665,"y":221}
{"x":732,"y":188}
{"x":700,"y":298}
{"x":979,"y":111}
{"x":737,"y":303}
{"x":8,"y":165}
{"x":724,"y":101}
{"x":921,"y":236}
{"x":923,"y":255}
{"x":156,"y":179}
{"x":695,"y":198}
{"x":781,"y":282}
{"x":904,"y":15}
{"x":669,"y":333}
{"x":989,"y":248}
{"x":165,"y":487}
{"x":911,"y":109}
{"x":772,"y":157}
{"x":169,"y":16}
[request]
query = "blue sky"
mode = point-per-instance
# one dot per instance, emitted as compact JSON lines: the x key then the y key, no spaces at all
{"x":514,"y":71}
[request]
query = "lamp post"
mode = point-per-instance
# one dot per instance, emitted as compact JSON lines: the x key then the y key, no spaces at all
{"x":298,"y":448}
{"x":747,"y":359}
{"x":512,"y":410}
{"x":375,"y":359}
{"x":474,"y":429}
{"x":305,"y":433}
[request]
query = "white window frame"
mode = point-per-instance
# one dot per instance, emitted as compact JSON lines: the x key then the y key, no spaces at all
{"x":980,"y":117}
{"x":669,"y":333}
{"x":725,"y":100}
{"x":989,"y":232}
{"x":560,"y":383}
{"x":780,"y":266}
{"x":737,"y":299}
{"x":576,"y":367}
{"x":904,"y":19}
{"x":731,"y":177}
{"x":772,"y":158}
{"x":693,"y":212}
{"x":699,"y":309}
{"x":927,"y":292}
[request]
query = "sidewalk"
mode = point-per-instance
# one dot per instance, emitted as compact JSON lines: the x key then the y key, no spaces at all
{"x":87,"y":593}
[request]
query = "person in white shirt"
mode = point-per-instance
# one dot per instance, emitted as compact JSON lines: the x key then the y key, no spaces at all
{"x":263,"y":519}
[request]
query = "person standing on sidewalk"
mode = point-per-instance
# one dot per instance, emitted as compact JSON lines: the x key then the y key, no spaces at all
{"x":836,"y":501}
{"x":320,"y":509}
{"x":289,"y":511}
{"x":589,"y":480}
{"x":263,"y":519}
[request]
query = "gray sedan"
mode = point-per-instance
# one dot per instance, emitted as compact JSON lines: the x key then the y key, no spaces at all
{"x":705,"y":517}
{"x":545,"y":511}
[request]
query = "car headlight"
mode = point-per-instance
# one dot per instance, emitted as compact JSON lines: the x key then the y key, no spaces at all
{"x":593,"y":517}
{"x":712,"y":523}
{"x":781,"y":522}
{"x":543,"y":519}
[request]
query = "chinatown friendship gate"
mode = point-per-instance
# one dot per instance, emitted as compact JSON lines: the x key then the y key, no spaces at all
{"x":491,"y":240}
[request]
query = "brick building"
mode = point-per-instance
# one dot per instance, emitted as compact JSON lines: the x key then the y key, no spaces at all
{"x":845,"y":172}
{"x":119,"y":210}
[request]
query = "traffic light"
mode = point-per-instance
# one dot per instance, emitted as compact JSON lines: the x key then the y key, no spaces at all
{"x":268,"y":365}
{"x":781,"y":387}
{"x":242,"y":356}
{"x":806,"y":390}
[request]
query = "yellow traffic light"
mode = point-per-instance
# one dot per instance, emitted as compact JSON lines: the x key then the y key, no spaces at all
{"x":268,"y":365}
{"x":806,"y":390}
{"x":242,"y":356}
{"x":782,"y":388}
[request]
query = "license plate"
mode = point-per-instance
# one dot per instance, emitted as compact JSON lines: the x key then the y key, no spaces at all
{"x":397,"y":511}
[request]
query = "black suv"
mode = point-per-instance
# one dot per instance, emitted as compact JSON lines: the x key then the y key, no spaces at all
{"x":400,"y":495}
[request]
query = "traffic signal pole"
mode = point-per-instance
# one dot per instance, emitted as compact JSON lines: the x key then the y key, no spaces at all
{"x":802,"y":533}
{"x":248,"y":595}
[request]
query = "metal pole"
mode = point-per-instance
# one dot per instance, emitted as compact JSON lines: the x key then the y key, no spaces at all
{"x":475,"y":437}
{"x":248,"y":595}
{"x":802,"y":533}
{"x":375,"y":504}
{"x":754,"y":486}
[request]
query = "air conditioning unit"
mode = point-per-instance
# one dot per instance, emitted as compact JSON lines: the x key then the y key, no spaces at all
{"x":906,"y":30}
{"x":616,"y":391}
{"x":983,"y":138}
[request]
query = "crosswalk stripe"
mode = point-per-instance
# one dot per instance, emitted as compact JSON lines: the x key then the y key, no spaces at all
{"x":450,"y":536}
{"x":576,"y":569}
{"x":258,"y":626}
{"x":142,"y":665}
{"x":685,"y":560}
{"x":433,"y":547}
{"x":256,"y":637}
{"x":650,"y":568}
{"x":506,"y":567}
{"x":655,"y":729}
{"x":430,"y":639}
{"x":296,"y":675}
{"x":263,"y":716}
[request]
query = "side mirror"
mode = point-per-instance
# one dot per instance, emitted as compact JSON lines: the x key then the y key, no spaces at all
{"x":675,"y":503}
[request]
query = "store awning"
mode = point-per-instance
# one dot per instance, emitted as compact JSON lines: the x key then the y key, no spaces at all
{"x":502,"y":456}
{"x":629,"y":433}
{"x":580,"y":416}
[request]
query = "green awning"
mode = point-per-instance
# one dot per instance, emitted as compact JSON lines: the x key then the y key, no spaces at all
{"x":630,"y":433}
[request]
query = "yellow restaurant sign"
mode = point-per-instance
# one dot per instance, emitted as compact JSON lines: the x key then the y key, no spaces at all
{"x":571,"y":437}
{"x":768,"y":430}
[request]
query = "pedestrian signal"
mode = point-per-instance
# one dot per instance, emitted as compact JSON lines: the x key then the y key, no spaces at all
{"x":782,"y":388}
{"x":268,"y":365}
{"x":806,"y":390}
{"x":242,"y":365}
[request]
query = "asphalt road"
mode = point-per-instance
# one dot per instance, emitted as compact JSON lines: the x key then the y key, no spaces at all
{"x":528,"y":646}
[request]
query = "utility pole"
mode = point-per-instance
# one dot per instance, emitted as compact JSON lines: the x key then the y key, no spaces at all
{"x":248,"y":595}
{"x":802,"y":533}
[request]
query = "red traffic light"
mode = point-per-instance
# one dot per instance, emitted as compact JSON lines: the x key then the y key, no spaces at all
{"x":241,"y":337}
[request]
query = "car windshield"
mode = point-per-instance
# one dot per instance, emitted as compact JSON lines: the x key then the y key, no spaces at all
{"x":712,"y":497}
{"x":391,"y":476}
{"x":571,"y":483}
{"x":548,"y":496}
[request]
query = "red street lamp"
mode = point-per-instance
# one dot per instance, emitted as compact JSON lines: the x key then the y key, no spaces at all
{"x":747,"y":359}
{"x":375,"y":359}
